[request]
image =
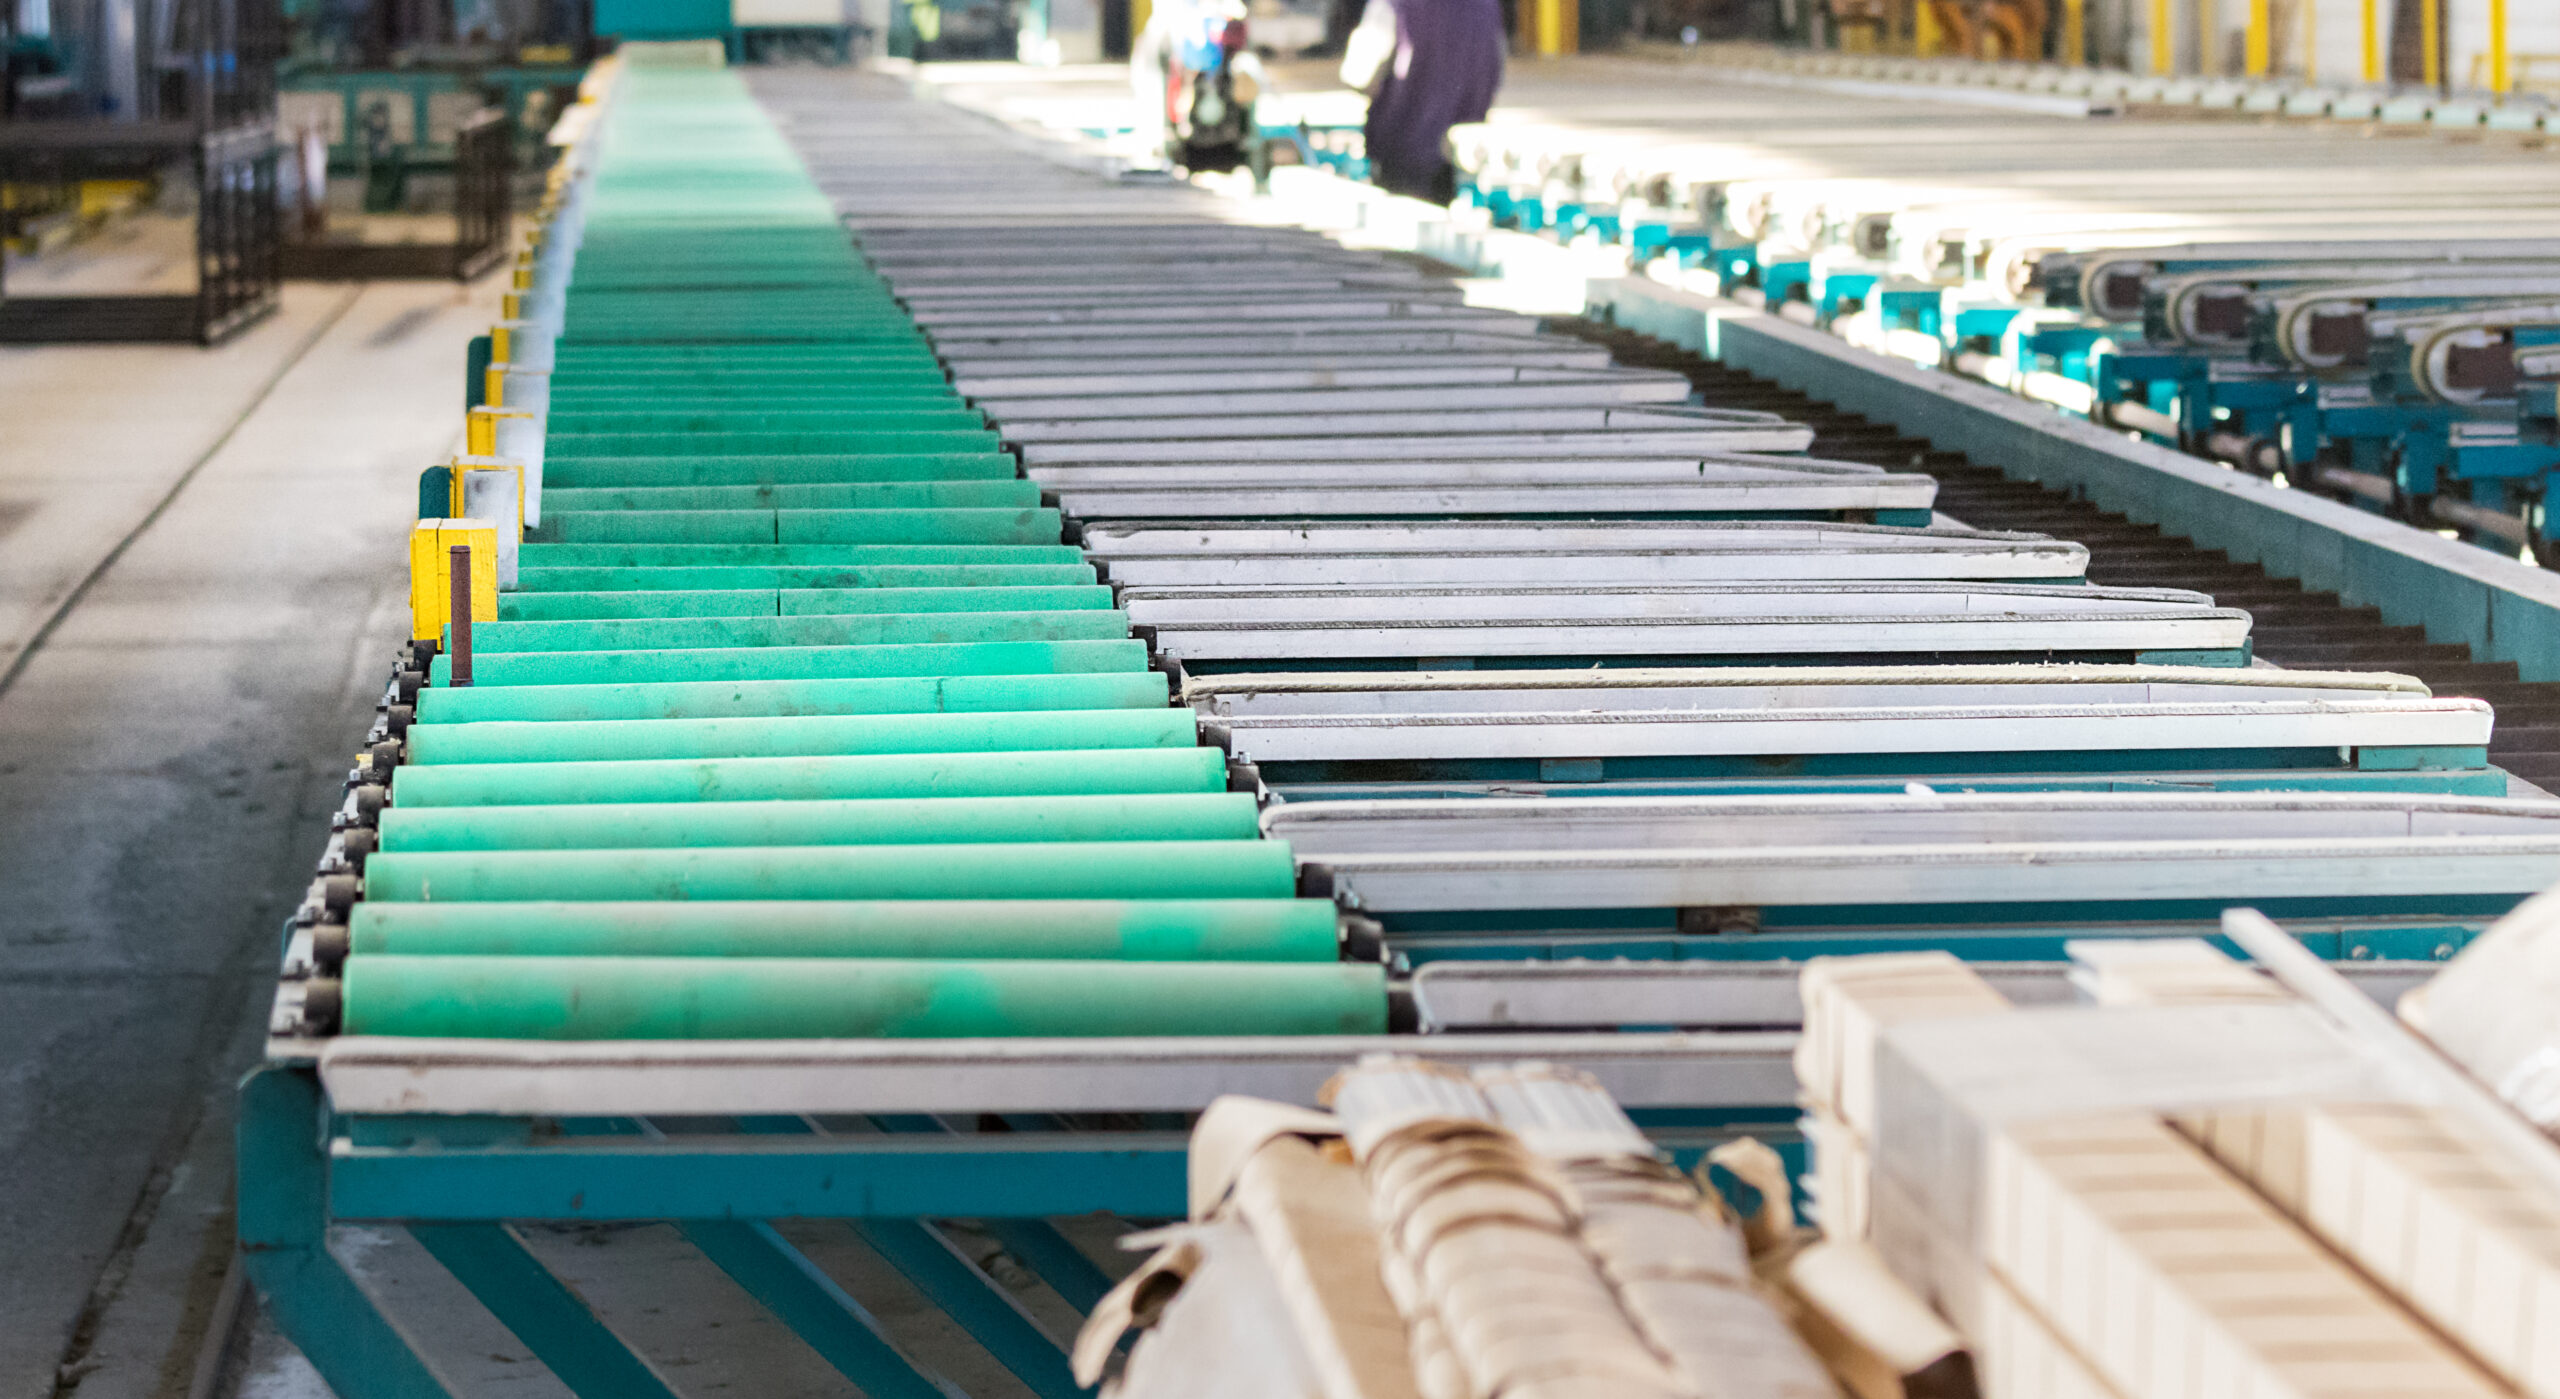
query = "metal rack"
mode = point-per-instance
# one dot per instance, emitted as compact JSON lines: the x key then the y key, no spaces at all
{"x":215,"y":116}
{"x":483,"y":214}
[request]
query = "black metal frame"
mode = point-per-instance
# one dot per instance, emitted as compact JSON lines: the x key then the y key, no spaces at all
{"x":218,"y":117}
{"x":237,"y":231}
{"x":483,"y":214}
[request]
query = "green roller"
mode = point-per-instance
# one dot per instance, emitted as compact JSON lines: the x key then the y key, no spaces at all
{"x":1120,"y":930}
{"x":658,"y":526}
{"x":826,"y":629}
{"x":838,"y":602}
{"x":604,"y":400}
{"x":942,"y":410}
{"x":596,"y":582}
{"x":599,"y":388}
{"x":872,"y":495}
{"x":1131,"y":869}
{"x":536,"y":555}
{"x":952,"y":694}
{"x":1057,"y":772}
{"x":796,"y":602}
{"x":568,"y":606}
{"x":565,"y":446}
{"x":811,"y":736}
{"x":793,"y":662}
{"x":926,"y":821}
{"x":600,"y":998}
{"x":984,"y":525}
{"x":1033,"y":526}
{"x":708,"y":470}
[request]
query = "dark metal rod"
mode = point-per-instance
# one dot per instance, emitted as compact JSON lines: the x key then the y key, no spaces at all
{"x":460,"y":614}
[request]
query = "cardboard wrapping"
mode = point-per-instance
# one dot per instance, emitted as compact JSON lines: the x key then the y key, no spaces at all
{"x":1882,"y":1341}
{"x":1507,"y":1235}
{"x":1221,"y":1313}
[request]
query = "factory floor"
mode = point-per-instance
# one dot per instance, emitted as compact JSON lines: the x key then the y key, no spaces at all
{"x":199,"y":593}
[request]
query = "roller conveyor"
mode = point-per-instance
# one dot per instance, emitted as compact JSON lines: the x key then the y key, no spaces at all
{"x":850,"y":748}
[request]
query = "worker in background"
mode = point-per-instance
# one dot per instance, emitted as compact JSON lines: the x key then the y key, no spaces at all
{"x":1427,"y":65}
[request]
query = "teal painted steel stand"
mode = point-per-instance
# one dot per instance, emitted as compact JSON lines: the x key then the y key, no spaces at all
{"x":461,"y":1186}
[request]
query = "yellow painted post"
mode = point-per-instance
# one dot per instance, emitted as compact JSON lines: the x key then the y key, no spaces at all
{"x":2209,"y":51}
{"x":427,"y":584}
{"x":2501,"y":80}
{"x":2075,"y":32}
{"x":2164,"y":38}
{"x":2373,"y":41}
{"x":2311,"y":41}
{"x":431,"y":573}
{"x":1925,"y":35}
{"x":2261,"y":32}
{"x":1554,"y":26}
{"x":2431,"y":50}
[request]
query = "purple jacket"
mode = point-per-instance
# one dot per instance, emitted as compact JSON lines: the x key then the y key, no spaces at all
{"x":1447,"y":64}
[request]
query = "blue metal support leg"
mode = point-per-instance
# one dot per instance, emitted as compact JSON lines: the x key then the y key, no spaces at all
{"x":783,"y":1280}
{"x":1059,"y":1263}
{"x":284,"y":1242}
{"x":1036,"y":1242}
{"x":552,"y":1321}
{"x":983,"y":1308}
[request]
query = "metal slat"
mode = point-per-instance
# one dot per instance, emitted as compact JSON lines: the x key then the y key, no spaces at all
{"x":2017,"y":729}
{"x":1788,"y":688}
{"x":552,"y":1078}
{"x":1831,"y":875}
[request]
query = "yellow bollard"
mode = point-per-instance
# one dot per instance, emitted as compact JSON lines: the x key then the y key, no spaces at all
{"x":431,"y":573}
{"x":2431,"y":50}
{"x":2075,"y":33}
{"x":2261,"y":36}
{"x":2164,"y":38}
{"x":2373,"y":41}
{"x":2501,"y":78}
{"x":1554,"y":27}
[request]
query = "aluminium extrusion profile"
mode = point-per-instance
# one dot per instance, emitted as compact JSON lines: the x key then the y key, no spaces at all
{"x":1346,"y":492}
{"x":1426,"y":428}
{"x":1384,"y":346}
{"x":1676,"y":620}
{"x":1465,"y":437}
{"x":1515,"y":997}
{"x":1134,"y":406}
{"x":1412,"y":856}
{"x":1774,"y":688}
{"x":2076,"y":727}
{"x":1329,"y":831}
{"x":1385,"y":371}
{"x":519,"y":1077}
{"x":1377,"y":553}
{"x":1829,"y":875}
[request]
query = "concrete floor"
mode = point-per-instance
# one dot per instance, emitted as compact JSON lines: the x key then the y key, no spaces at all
{"x":199,"y":595}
